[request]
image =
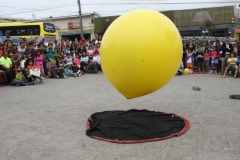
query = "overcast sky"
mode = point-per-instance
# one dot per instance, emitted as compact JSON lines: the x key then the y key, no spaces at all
{"x":56,"y":8}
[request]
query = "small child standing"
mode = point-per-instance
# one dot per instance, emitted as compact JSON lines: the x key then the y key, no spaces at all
{"x":206,"y":60}
{"x":190,"y":60}
{"x":214,"y":62}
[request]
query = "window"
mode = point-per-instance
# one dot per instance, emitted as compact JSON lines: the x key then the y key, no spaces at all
{"x":20,"y":30}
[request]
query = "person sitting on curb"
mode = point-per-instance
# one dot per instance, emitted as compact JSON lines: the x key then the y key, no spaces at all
{"x":232,"y":61}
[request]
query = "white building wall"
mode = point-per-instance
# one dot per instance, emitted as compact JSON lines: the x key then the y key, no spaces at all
{"x":62,"y":24}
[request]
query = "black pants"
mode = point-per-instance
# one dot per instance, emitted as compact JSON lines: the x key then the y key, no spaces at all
{"x":9,"y":74}
{"x":83,"y":65}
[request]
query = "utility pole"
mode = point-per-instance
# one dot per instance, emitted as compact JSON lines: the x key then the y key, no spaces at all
{"x":80,"y":18}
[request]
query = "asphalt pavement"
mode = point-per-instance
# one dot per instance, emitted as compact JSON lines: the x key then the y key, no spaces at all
{"x":48,"y":121}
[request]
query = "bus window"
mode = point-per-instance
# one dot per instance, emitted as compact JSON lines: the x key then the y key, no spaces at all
{"x":8,"y":32}
{"x":20,"y":31}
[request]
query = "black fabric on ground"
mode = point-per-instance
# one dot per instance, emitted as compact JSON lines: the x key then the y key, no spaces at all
{"x":196,"y":88}
{"x":134,"y":125}
{"x":234,"y":96}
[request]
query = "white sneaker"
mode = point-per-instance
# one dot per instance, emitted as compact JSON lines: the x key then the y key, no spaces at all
{"x":210,"y":72}
{"x":216,"y":72}
{"x":42,"y":78}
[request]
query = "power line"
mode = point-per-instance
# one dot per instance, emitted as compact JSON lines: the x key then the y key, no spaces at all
{"x":41,"y":9}
{"x":169,"y":3}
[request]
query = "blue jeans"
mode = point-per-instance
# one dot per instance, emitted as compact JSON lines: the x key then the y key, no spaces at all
{"x":94,"y":66}
{"x":15,"y":82}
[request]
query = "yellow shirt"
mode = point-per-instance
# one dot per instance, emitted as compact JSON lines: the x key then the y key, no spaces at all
{"x":232,"y":60}
{"x":6,"y":62}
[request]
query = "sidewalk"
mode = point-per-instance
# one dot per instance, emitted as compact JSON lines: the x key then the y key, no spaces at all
{"x":51,"y":123}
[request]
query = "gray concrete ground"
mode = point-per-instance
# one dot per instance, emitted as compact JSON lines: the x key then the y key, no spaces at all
{"x":48,"y":122}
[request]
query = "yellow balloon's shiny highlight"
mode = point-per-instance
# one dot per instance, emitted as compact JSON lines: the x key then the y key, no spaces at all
{"x":140,"y":52}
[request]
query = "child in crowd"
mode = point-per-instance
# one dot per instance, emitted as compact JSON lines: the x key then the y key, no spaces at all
{"x":190,"y":60}
{"x":94,"y":65}
{"x":29,"y":64}
{"x":76,"y":70}
{"x":232,"y":61}
{"x":77,"y":61}
{"x":55,"y":72}
{"x":67,"y":51}
{"x":38,"y":61}
{"x":206,"y":60}
{"x":69,"y":61}
{"x":61,"y":56}
{"x":200,"y":60}
{"x":90,"y":52}
{"x":214,"y":62}
{"x":84,"y":62}
{"x":50,"y":53}
{"x":68,"y":72}
{"x":19,"y":79}
{"x":24,"y":58}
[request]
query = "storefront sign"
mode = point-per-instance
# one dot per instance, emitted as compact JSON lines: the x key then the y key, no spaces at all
{"x":73,"y":25}
{"x":237,"y":30}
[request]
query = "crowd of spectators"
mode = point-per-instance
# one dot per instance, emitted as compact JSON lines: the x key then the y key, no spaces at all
{"x":212,"y":57}
{"x":62,"y":59}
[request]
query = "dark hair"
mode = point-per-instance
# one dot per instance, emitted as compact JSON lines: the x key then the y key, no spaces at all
{"x":30,"y":43}
{"x":234,"y":54}
{"x":41,"y":43}
{"x":27,"y":62}
{"x":15,"y":52}
{"x":85,"y":53}
{"x":67,"y":54}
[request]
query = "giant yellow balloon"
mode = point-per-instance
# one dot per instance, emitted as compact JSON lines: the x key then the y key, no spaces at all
{"x":140,"y":52}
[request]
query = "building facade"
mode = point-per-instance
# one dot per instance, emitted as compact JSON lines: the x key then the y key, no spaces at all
{"x":212,"y":22}
{"x":69,"y":27}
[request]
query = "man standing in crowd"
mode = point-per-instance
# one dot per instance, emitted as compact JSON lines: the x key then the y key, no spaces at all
{"x":227,"y":50}
{"x":31,"y":49}
{"x":185,"y":44}
{"x":21,"y":48}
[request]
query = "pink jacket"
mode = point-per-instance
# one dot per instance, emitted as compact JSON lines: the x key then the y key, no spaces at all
{"x":216,"y":54}
{"x":38,"y":61}
{"x":77,"y":61}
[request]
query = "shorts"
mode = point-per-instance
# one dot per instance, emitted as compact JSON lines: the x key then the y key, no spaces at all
{"x":189,"y":65}
{"x":200,"y":64}
{"x":232,"y":66}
